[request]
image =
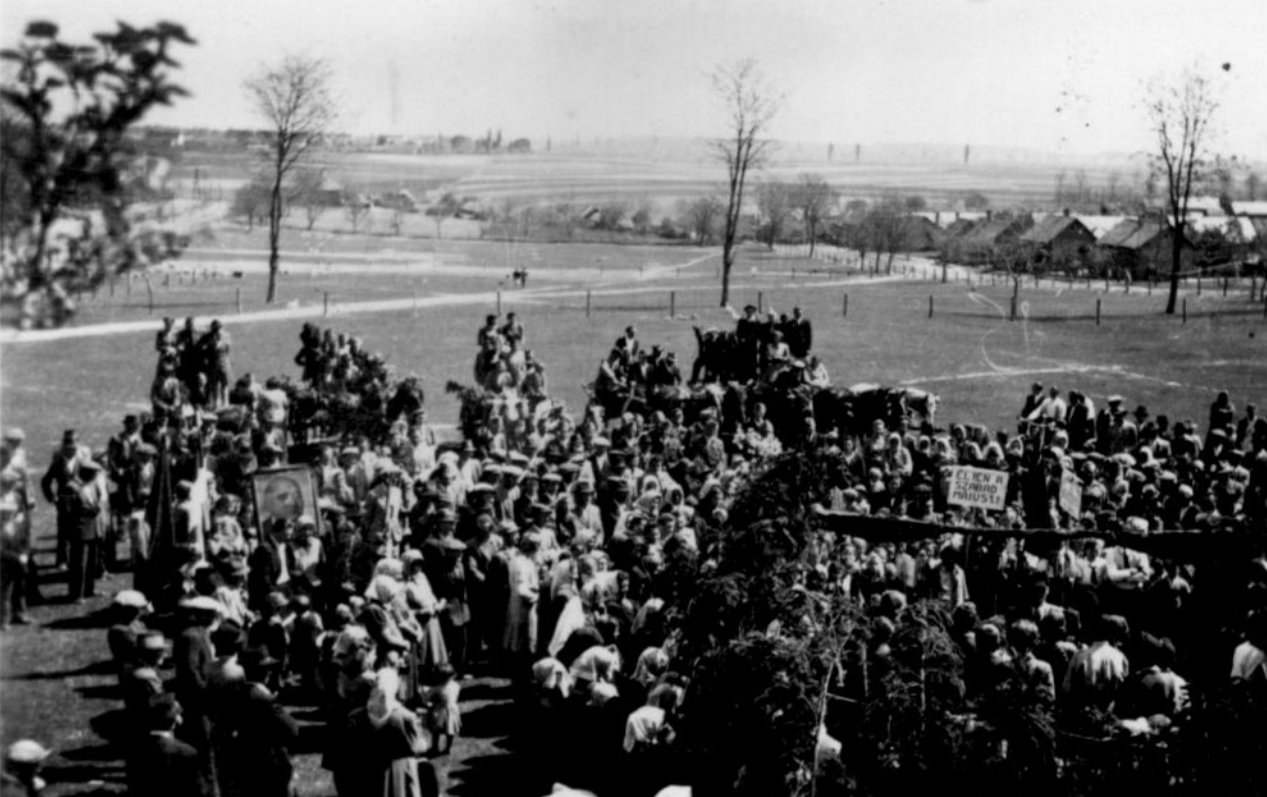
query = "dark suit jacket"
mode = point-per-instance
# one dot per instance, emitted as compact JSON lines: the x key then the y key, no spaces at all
{"x":162,"y":766}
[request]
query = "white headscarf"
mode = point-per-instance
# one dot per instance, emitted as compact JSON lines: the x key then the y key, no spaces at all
{"x":384,"y":697}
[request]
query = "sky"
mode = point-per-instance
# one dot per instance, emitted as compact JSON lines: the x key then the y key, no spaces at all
{"x":1061,"y":76}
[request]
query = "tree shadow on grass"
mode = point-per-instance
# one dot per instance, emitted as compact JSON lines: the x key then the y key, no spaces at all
{"x":499,"y":774}
{"x":96,"y":668}
{"x":84,"y":622}
{"x":103,"y":762}
{"x":490,"y":721}
{"x":109,"y":691}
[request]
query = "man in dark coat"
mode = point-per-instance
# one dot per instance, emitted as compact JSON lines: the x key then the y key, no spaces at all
{"x":63,"y":468}
{"x":193,"y":656}
{"x":798,"y":334}
{"x":159,"y":764}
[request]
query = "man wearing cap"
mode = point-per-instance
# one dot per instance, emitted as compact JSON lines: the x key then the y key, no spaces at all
{"x":22,"y":762}
{"x":82,"y":504}
{"x":193,"y":656}
{"x":167,"y":393}
{"x":1108,"y":426}
{"x":15,"y":552}
{"x":141,"y":680}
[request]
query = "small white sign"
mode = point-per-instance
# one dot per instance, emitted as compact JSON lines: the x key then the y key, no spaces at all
{"x":978,"y":487}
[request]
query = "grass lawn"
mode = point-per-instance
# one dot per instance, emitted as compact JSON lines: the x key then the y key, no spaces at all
{"x":980,"y":363}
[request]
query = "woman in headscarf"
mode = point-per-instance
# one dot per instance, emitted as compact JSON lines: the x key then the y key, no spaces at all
{"x":399,"y":739}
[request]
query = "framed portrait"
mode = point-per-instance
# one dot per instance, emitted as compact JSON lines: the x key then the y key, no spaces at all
{"x":286,"y":493}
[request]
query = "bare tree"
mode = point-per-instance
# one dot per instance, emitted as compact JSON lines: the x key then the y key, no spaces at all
{"x":701,"y":217}
{"x":814,"y":198}
{"x":1180,"y":114}
{"x":308,"y":193}
{"x":355,"y":209}
{"x":295,"y":99}
{"x":750,"y":106}
{"x":774,"y":204}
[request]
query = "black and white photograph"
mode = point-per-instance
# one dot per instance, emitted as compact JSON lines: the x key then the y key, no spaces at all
{"x":686,"y":398}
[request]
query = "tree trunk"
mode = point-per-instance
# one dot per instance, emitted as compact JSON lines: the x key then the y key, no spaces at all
{"x":1176,"y":254}
{"x":274,"y":239}
{"x":812,"y":240}
{"x":727,"y":260}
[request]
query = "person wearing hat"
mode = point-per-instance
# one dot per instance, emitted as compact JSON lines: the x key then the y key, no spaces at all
{"x":22,"y":762}
{"x":192,"y":659}
{"x":128,"y":607}
{"x":584,"y":519}
{"x":81,"y":505}
{"x":159,"y":764}
{"x":1108,"y":426}
{"x":519,"y":630}
{"x":63,"y":469}
{"x":142,"y":679}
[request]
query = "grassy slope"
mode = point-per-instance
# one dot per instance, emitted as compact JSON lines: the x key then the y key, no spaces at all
{"x":980,"y":364}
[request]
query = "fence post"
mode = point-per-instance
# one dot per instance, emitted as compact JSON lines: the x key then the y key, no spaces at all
{"x":1198,"y":283}
{"x":149,"y":287}
{"x":1016,"y":295}
{"x":930,"y":305}
{"x":945,"y":268}
{"x":499,"y":301}
{"x":844,"y":309}
{"x":239,"y":298}
{"x":1126,"y":284}
{"x":1185,"y":309}
{"x":587,"y":303}
{"x":672,"y":304}
{"x":1097,"y":311}
{"x":325,"y":303}
{"x":1225,"y":286}
{"x":760,"y":302}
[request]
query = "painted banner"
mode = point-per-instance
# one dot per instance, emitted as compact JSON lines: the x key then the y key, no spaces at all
{"x":978,"y":487}
{"x":1070,"y":493}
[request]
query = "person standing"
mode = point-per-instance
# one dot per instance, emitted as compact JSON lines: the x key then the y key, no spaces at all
{"x":519,"y":634}
{"x":159,"y":764}
{"x":83,"y":502}
{"x":15,"y":552}
{"x":216,"y":347}
{"x":399,"y":740}
{"x":63,"y":469}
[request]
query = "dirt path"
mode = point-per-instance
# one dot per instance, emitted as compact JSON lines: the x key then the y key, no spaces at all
{"x":484,"y":298}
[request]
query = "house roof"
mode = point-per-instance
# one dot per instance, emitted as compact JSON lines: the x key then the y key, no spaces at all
{"x":947,"y":218}
{"x":1134,"y":233}
{"x":1238,"y":229}
{"x":1209,"y":205}
{"x":988,"y":232}
{"x":1051,"y":228}
{"x":1250,"y":208}
{"x":1099,"y":225}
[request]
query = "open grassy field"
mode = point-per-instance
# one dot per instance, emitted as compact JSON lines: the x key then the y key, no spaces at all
{"x":658,"y":179}
{"x":54,"y":685}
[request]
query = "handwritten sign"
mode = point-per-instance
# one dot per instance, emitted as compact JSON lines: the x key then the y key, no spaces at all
{"x":977,"y":487}
{"x":1070,"y":493}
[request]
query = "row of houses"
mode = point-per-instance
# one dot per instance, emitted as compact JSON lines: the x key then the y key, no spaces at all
{"x":1070,"y":242}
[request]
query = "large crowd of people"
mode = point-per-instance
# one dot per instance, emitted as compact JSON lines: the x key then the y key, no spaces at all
{"x":535,"y":547}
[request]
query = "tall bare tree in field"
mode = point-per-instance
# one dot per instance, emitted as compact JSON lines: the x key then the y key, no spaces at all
{"x":295,"y":98}
{"x":1180,"y":114}
{"x":814,"y":198}
{"x":750,"y":106}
